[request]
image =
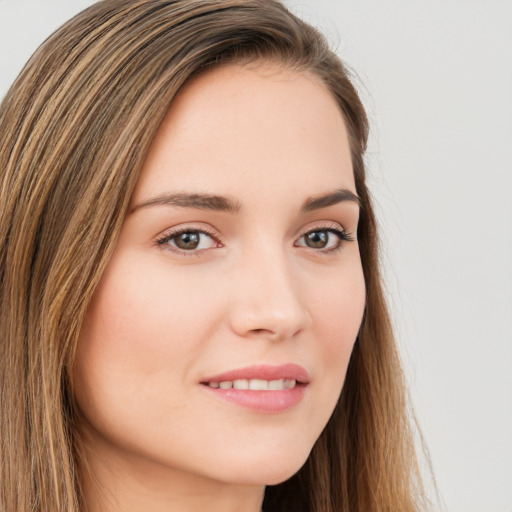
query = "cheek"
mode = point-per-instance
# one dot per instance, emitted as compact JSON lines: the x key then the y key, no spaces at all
{"x":337,"y":318}
{"x":342,"y":316}
{"x":141,"y":333}
{"x":133,"y":318}
{"x":118,"y":346}
{"x":340,"y":307}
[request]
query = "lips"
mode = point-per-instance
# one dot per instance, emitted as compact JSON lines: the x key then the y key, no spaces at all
{"x":261,"y":388}
{"x":264,"y":372}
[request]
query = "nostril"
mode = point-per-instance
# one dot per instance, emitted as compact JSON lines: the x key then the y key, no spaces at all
{"x":267,"y":332}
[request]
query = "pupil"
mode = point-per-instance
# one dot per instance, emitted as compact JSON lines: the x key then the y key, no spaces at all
{"x":188,"y":241}
{"x":317,"y":239}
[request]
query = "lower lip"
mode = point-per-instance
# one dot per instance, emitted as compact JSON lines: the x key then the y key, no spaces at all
{"x":267,"y":402}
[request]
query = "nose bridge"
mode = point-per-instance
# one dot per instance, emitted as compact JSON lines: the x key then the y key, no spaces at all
{"x":266,"y":296}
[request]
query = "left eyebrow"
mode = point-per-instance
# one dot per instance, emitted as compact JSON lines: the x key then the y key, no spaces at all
{"x":325,"y":200}
{"x":199,"y":201}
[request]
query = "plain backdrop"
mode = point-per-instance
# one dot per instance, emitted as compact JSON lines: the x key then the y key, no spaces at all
{"x":436,"y":78}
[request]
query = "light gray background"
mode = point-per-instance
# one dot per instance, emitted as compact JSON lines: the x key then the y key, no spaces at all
{"x":436,"y":77}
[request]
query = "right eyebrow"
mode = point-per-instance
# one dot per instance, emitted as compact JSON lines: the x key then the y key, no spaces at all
{"x":200,"y":201}
{"x":330,"y":199}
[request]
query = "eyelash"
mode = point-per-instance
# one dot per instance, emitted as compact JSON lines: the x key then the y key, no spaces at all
{"x":343,"y":236}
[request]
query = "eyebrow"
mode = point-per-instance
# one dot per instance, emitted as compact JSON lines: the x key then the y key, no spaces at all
{"x":226,"y":204}
{"x":199,"y":201}
{"x":330,"y":199}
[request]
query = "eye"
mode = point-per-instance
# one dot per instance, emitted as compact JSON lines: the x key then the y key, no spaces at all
{"x":188,"y":241}
{"x":324,"y":239}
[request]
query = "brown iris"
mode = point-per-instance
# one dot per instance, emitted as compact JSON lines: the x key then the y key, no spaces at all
{"x":317,"y":239}
{"x":187,"y":241}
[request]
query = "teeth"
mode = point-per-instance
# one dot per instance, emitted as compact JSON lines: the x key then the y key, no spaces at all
{"x":276,"y":384}
{"x":241,"y":384}
{"x":258,"y":384}
{"x":289,"y":383}
{"x":255,"y":384}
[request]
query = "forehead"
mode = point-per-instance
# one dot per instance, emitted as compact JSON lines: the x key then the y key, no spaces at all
{"x":250,"y":126}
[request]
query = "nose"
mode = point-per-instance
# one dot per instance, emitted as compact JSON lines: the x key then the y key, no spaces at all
{"x":267,"y":302}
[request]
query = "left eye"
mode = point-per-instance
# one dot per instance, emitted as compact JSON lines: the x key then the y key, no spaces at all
{"x":325,"y":239}
{"x":189,"y":240}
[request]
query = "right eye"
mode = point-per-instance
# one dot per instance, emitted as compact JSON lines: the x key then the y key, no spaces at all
{"x":188,"y":241}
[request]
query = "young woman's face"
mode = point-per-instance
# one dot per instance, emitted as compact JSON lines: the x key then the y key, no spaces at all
{"x":237,"y":267}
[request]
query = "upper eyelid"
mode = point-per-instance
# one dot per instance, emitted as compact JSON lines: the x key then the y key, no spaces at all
{"x":328,"y":224}
{"x":321,"y":225}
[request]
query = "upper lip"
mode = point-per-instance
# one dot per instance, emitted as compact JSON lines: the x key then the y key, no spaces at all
{"x":264,"y":372}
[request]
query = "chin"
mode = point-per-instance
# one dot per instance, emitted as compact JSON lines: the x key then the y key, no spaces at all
{"x":269,"y":471}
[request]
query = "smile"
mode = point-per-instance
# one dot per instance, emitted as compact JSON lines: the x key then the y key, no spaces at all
{"x":255,"y":384}
{"x":262,"y":388}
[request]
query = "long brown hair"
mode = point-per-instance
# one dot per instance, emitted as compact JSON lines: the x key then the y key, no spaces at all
{"x":75,"y":129}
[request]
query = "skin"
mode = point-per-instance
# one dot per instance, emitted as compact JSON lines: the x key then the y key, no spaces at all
{"x":162,"y":320}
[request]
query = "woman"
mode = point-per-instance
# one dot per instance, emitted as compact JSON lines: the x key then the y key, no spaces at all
{"x":191,"y":309}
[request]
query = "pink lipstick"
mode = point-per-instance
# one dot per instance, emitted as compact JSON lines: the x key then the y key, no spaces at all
{"x":261,"y":388}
